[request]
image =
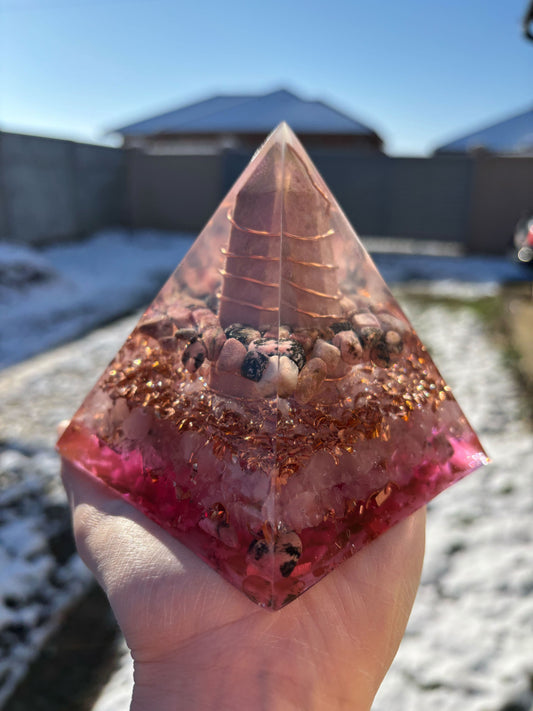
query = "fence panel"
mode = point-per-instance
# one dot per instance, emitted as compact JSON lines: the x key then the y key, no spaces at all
{"x":428,"y":198}
{"x":502,"y":193}
{"x":52,"y":190}
{"x":359,"y":183}
{"x":55,"y":190}
{"x":172,"y":192}
{"x":38,"y":188}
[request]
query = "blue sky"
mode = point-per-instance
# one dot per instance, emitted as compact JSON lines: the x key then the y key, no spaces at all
{"x":419,"y":71}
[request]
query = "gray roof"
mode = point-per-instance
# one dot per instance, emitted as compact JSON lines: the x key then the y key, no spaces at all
{"x":249,"y":114}
{"x":512,"y":136}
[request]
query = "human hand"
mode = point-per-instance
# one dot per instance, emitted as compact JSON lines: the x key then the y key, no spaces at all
{"x":198,"y":643}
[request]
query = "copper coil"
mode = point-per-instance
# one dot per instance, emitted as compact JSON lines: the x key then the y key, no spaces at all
{"x":222,"y":297}
{"x":226,"y":253}
{"x":311,"y":264}
{"x":303,"y":261}
{"x":226,"y":274}
{"x":334,"y":297}
{"x":310,"y":238}
{"x":307,"y":313}
{"x":249,"y":229}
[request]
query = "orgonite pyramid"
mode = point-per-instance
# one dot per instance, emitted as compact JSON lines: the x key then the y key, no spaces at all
{"x":273,"y":409}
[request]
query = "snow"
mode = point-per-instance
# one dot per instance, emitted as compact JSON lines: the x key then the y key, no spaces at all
{"x":471,"y":269}
{"x":36,"y":584}
{"x":116,"y":695}
{"x":468,"y":644}
{"x":88,"y":283}
{"x":469,"y":640}
{"x":511,"y":136}
{"x":61,"y":292}
{"x":20,"y":266}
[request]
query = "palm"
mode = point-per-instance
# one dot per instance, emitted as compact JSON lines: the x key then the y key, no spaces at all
{"x":171,"y":606}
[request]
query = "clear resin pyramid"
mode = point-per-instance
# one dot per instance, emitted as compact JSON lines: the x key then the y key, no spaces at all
{"x":273,"y":409}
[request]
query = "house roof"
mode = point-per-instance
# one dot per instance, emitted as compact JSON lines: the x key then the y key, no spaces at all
{"x":249,"y":114}
{"x":511,"y":136}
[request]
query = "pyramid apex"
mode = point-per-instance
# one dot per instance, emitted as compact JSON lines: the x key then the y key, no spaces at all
{"x":282,"y":133}
{"x":280,"y":136}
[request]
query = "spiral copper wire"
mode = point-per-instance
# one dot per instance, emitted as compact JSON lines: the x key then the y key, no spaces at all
{"x":290,"y":270}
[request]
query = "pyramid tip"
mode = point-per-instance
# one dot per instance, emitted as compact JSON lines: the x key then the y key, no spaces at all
{"x":281,"y":135}
{"x":283,"y":132}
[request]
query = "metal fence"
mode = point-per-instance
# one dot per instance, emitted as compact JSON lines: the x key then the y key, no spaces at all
{"x":475,"y":201}
{"x":52,"y":190}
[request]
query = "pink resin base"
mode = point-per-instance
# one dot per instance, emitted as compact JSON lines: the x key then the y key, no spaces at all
{"x":271,"y":573}
{"x":273,"y":409}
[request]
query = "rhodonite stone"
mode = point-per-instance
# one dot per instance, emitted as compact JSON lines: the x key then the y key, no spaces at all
{"x":273,"y":409}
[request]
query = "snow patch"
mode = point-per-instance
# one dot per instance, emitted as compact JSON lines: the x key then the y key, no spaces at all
{"x":88,"y":283}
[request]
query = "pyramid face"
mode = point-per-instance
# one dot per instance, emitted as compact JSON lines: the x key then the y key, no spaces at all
{"x":273,"y":409}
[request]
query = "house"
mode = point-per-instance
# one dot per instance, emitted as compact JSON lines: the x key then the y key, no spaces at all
{"x":243,"y":121}
{"x":511,"y":137}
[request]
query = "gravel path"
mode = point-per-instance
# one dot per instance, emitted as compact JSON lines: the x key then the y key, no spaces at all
{"x":469,"y":643}
{"x":41,"y":576}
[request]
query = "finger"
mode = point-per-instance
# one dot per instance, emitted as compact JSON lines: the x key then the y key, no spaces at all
{"x":384,"y":575}
{"x":142,"y":568}
{"x":367,"y":601}
{"x":113,"y":537}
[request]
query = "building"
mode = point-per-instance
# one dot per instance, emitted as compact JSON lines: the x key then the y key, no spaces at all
{"x":243,"y":121}
{"x":510,"y":137}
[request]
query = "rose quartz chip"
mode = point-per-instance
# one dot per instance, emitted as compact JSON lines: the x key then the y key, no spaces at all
{"x":273,"y":409}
